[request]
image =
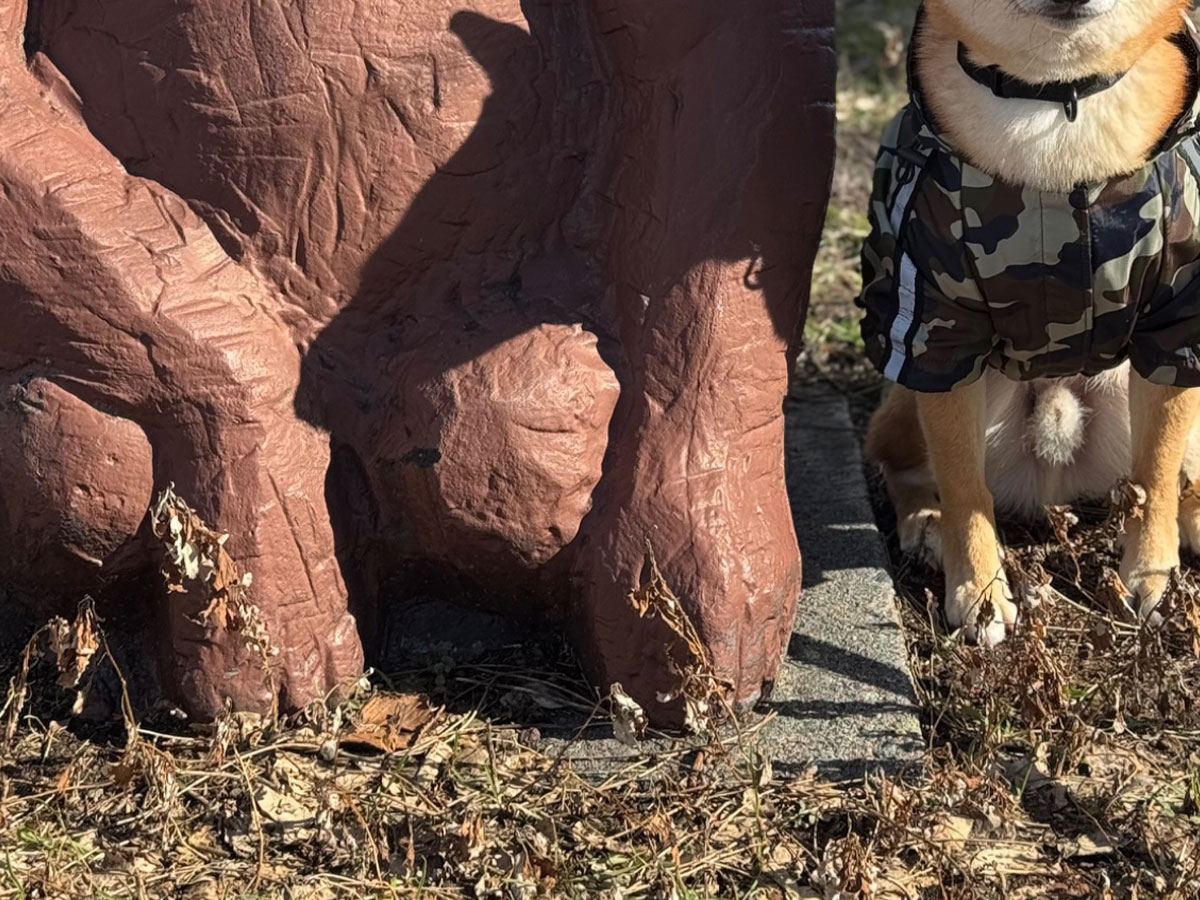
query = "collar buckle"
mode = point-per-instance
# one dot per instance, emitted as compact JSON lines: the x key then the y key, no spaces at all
{"x":1071,"y":104}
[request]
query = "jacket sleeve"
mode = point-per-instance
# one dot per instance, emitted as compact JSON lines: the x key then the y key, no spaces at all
{"x":925,"y":324}
{"x":1165,"y":346}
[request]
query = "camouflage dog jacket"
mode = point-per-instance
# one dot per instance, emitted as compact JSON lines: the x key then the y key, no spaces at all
{"x":963,"y":270}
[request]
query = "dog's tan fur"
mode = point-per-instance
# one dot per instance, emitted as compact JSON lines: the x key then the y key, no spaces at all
{"x":1045,"y":442}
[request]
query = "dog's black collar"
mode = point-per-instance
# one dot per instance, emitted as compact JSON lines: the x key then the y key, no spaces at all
{"x":1068,"y":93}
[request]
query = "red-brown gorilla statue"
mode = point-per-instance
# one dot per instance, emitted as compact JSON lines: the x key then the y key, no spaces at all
{"x":505,"y":291}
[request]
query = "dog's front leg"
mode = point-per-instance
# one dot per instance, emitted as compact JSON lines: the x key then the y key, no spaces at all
{"x":1161,"y":419}
{"x":977,"y":594}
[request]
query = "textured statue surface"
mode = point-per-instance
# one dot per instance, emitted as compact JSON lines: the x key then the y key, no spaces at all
{"x":502,"y":293}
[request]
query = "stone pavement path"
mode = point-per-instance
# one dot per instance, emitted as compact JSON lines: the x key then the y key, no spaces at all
{"x":844,"y":697}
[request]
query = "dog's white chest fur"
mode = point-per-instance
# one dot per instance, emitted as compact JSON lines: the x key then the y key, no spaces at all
{"x":1033,"y":142}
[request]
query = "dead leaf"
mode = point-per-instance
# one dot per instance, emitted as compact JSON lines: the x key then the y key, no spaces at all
{"x":1062,"y":519}
{"x":202,"y":844}
{"x":282,"y":809}
{"x":474,"y":839}
{"x":1113,"y":595}
{"x":63,"y":783}
{"x":658,"y":826}
{"x":951,"y":832}
{"x":1128,"y":502}
{"x":74,"y":644}
{"x":1088,"y":846}
{"x":390,"y":722}
{"x":1010,"y":858}
{"x":123,"y":772}
{"x":699,"y":687}
{"x":205,"y":889}
{"x":477,"y":757}
{"x":629,"y":719}
{"x":847,"y":870}
{"x":1180,"y":609}
{"x":195,"y":560}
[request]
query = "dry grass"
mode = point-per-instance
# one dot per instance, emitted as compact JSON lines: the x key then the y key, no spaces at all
{"x":1066,"y":764}
{"x":1090,"y":720}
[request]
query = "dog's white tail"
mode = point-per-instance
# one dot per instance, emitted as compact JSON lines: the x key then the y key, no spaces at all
{"x":1056,"y":424}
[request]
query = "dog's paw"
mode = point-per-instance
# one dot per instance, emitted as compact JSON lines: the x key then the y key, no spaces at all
{"x":983,"y":613}
{"x":1146,"y":590}
{"x":920,"y":535}
{"x":1146,"y":566}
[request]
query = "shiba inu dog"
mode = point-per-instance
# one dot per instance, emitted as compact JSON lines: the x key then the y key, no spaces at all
{"x":1032,"y":284}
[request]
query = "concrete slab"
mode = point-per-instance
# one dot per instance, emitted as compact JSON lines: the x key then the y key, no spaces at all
{"x":844,"y":695}
{"x":843,"y":700}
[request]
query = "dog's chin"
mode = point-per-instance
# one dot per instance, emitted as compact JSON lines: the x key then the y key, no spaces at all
{"x":1043,"y":41}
